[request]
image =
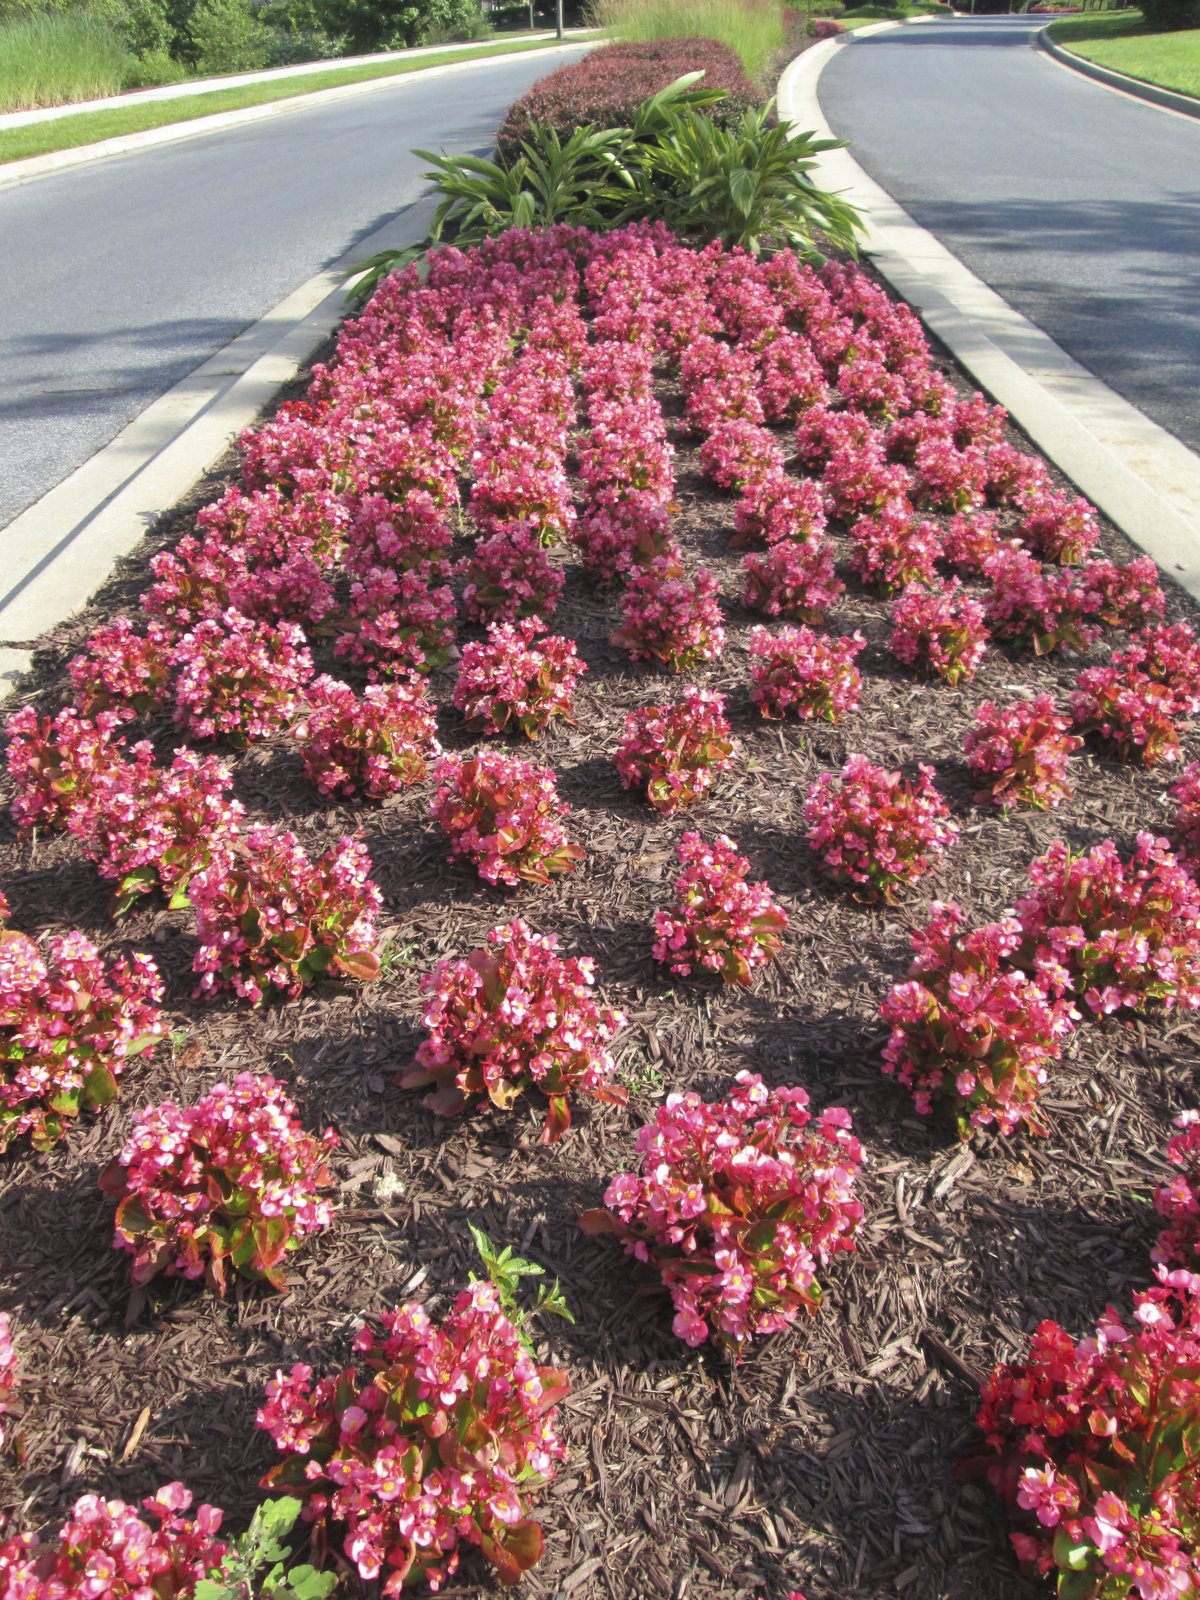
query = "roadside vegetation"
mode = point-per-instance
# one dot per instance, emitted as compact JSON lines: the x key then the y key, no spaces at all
{"x":1127,"y":42}
{"x":88,"y":127}
{"x":53,"y":52}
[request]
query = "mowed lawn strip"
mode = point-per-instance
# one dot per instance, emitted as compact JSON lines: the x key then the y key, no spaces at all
{"x":1122,"y":41}
{"x":68,"y":133}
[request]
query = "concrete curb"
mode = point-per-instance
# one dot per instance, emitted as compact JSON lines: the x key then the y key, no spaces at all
{"x":61,"y":550}
{"x":1138,"y":474}
{"x":1185,"y":105}
{"x":29,"y":170}
{"x":202,"y":86}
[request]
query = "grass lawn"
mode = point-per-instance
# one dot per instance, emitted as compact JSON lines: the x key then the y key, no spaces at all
{"x":1122,"y":41}
{"x":67,"y":133}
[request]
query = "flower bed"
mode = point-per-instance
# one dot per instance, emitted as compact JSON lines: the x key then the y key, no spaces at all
{"x":824,"y":1458}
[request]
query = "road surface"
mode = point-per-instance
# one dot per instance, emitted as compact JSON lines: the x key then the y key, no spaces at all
{"x":123,"y":276}
{"x":1080,"y":206}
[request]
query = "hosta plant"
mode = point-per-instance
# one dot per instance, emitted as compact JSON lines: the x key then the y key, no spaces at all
{"x":514,"y":1016}
{"x":1094,"y":1447}
{"x":1178,"y":1200}
{"x":1128,"y":712}
{"x":272,"y":920}
{"x":107,"y":1550}
{"x":239,"y":679}
{"x":737,"y":1205}
{"x":1020,"y":751}
{"x":151,"y":828}
{"x":225,"y":1187}
{"x":670,"y":616}
{"x":437,"y":1437}
{"x":717,"y":922}
{"x":68,"y":1026}
{"x":673,"y":752}
{"x":54,"y":761}
{"x":504,"y":816}
{"x":939,"y":630}
{"x":970,"y":1038}
{"x":799,"y":673}
{"x":877,"y":831}
{"x":515,"y":681}
{"x":1116,"y":933}
{"x":373,"y":744}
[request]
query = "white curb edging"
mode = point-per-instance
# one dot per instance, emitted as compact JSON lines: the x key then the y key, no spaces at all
{"x":56,"y":554}
{"x":1138,"y":474}
{"x":34,"y":167}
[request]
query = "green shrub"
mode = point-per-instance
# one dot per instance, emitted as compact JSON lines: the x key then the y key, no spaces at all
{"x":227,"y":37}
{"x":59,"y":57}
{"x":1168,"y":15}
{"x":754,"y":28}
{"x":151,"y":70}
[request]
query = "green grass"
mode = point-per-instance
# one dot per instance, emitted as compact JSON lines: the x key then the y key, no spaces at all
{"x":754,"y":28}
{"x":45,"y":60}
{"x":87,"y":127}
{"x":1122,"y":41}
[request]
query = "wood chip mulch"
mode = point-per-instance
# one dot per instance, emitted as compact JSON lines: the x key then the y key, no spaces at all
{"x":825,"y":1460}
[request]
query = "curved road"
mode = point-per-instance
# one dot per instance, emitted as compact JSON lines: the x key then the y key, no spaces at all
{"x":122,"y":277}
{"x":1080,"y":206}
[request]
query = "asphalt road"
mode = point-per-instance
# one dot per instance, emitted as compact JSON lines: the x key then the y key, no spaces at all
{"x":122,"y":277}
{"x":1080,"y":206}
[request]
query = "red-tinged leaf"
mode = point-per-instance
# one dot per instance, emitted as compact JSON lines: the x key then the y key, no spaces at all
{"x":597,"y":1222}
{"x":446,"y":1102}
{"x":503,"y":1093}
{"x":558,"y":1120}
{"x":271,"y":1239}
{"x":112,"y":1180}
{"x":556,"y":1386}
{"x":611,"y":1094}
{"x":362,"y":965}
{"x":413,"y":1078}
{"x":132,"y":1218}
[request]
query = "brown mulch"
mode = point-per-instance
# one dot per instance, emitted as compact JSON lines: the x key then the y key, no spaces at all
{"x":825,"y":1460}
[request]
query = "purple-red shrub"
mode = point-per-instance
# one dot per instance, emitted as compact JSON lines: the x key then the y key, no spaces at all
{"x":1093,"y":1448}
{"x":1022,"y":751}
{"x":270,"y":919}
{"x":68,"y":1026}
{"x":106,"y":1550}
{"x":875,"y":830}
{"x":436,"y":1438}
{"x":504,"y":816}
{"x":375,"y":744}
{"x":737,"y":1205}
{"x":971,"y":1038}
{"x":776,"y":507}
{"x":8,"y":1378}
{"x":1116,"y":934}
{"x":892,"y":549}
{"x":230,"y":1183}
{"x":672,"y":752}
{"x":717,"y":922}
{"x":398,"y":623}
{"x":516,"y":681}
{"x":515,"y":1016}
{"x":804,"y":674}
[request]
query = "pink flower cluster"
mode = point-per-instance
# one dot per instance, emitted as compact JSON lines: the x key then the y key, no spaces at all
{"x":239,"y":679}
{"x":1021,"y":751}
{"x":106,"y":1549}
{"x":1057,"y":527}
{"x":270,"y":918}
{"x":717,"y":922}
{"x":1116,"y":934}
{"x":121,"y":669}
{"x":504,"y":816}
{"x":54,"y":762}
{"x":68,"y":1025}
{"x":375,"y":744}
{"x":804,"y":674}
{"x":971,"y":1037}
{"x":1093,"y":1448}
{"x":1185,"y":832}
{"x":514,"y":1016}
{"x":792,"y":580}
{"x":398,"y":623}
{"x":875,"y":830}
{"x":153,"y":828}
{"x":436,"y":1438}
{"x":230,"y":1183}
{"x":510,"y":576}
{"x":891,"y":550}
{"x":1128,"y":712}
{"x":939,"y":630}
{"x":1178,"y":1201}
{"x":670,"y":616}
{"x":737,"y":1206}
{"x":673,"y":752}
{"x":515,"y":681}
{"x":8,"y":1372}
